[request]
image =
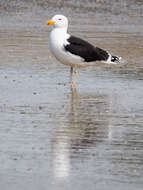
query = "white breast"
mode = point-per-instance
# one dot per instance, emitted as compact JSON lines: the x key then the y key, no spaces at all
{"x":57,"y":40}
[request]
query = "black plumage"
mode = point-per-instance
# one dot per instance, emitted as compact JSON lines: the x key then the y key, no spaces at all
{"x":85,"y":50}
{"x":115,"y":58}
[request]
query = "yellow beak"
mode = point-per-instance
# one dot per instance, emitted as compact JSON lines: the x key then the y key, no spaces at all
{"x":49,"y":22}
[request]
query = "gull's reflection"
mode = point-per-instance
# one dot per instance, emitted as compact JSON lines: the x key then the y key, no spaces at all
{"x":82,"y":124}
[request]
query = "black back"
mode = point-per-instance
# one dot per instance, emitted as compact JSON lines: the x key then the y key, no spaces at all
{"x":85,"y":50}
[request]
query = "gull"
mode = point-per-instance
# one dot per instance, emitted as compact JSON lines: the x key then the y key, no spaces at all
{"x":73,"y":51}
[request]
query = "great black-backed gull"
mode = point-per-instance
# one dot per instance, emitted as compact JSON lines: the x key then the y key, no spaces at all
{"x":74,"y":51}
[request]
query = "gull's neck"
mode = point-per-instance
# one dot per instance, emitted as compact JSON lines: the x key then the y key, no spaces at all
{"x":59,"y":34}
{"x":62,"y":31}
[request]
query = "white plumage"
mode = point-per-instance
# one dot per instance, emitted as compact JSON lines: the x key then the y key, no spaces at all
{"x":57,"y":40}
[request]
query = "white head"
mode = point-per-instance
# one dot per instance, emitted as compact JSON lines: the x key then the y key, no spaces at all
{"x":58,"y":21}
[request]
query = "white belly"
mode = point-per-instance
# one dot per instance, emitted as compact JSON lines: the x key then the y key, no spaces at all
{"x":56,"y":42}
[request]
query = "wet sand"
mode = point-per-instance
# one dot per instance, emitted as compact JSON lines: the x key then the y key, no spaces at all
{"x":56,"y":137}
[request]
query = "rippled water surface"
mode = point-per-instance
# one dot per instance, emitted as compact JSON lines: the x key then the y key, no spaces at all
{"x":56,"y":137}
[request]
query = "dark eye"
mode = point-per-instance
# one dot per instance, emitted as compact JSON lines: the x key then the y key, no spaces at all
{"x":59,"y":19}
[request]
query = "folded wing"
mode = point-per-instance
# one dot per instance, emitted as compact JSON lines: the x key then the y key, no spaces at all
{"x":85,"y":50}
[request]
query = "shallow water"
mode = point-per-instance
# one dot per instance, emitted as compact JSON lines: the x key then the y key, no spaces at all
{"x":56,"y":137}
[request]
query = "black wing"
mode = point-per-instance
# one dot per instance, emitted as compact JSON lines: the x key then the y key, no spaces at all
{"x":85,"y":50}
